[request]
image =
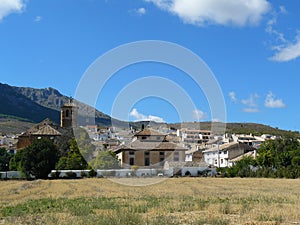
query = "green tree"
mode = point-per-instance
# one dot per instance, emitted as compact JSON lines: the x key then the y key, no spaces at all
{"x":73,"y":159}
{"x":242,"y":168}
{"x":39,"y":158}
{"x":278,"y":153}
{"x":280,"y":157}
{"x":4,"y":159}
{"x":296,"y":161}
{"x":105,"y":160}
{"x":84,"y":143}
{"x":15,"y":161}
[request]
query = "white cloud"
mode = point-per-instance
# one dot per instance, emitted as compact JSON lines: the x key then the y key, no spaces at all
{"x":216,"y":120}
{"x":199,"y":115}
{"x":141,"y":117}
{"x":272,"y":31}
{"x":38,"y":19}
{"x":10,"y":6}
{"x":251,"y":110}
{"x":222,"y":12}
{"x":282,"y":9}
{"x":250,"y":103}
{"x":141,"y":11}
{"x":272,"y":102}
{"x":233,"y":97}
{"x":287,"y":51}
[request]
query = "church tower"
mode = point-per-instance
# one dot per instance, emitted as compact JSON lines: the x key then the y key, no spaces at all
{"x":69,"y":115}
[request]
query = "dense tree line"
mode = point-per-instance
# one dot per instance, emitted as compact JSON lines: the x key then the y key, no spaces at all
{"x":276,"y":158}
{"x":42,"y":156}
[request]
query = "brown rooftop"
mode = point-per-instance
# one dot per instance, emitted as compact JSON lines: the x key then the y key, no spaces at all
{"x":46,"y":127}
{"x":151,"y":146}
{"x":149,"y":132}
{"x":47,"y":130}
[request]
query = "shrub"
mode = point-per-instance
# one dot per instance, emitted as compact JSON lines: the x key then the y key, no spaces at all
{"x":55,"y":175}
{"x":71,"y":175}
{"x":92,"y":173}
{"x":83,"y":174}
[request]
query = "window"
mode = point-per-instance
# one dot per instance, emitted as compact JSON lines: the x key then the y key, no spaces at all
{"x":144,"y":138}
{"x":131,"y":158}
{"x":176,"y":156}
{"x":131,"y":161}
{"x":67,"y":113}
{"x":161,"y":158}
{"x":147,"y":158}
{"x":225,"y":152}
{"x":147,"y":161}
{"x":222,"y":161}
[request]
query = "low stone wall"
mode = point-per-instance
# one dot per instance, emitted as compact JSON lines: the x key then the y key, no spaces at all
{"x":10,"y":175}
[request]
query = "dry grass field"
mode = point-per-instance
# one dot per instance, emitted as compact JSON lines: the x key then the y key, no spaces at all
{"x":173,"y":201}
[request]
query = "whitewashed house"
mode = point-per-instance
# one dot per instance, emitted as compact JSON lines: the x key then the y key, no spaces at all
{"x":253,"y":141}
{"x":220,"y":155}
{"x":194,"y":136}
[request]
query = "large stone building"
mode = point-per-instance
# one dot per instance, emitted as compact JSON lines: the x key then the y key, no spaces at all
{"x":149,"y":148}
{"x":50,"y":130}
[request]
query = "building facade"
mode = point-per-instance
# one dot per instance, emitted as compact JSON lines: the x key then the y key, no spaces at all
{"x":149,"y":148}
{"x":221,"y":155}
{"x":194,"y":136}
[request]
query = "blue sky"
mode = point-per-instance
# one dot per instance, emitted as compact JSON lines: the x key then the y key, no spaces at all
{"x":251,"y":46}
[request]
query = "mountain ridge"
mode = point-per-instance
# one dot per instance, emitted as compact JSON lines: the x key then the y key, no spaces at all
{"x":32,"y":105}
{"x":24,"y":106}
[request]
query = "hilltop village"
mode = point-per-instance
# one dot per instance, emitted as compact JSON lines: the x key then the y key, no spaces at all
{"x":147,"y":151}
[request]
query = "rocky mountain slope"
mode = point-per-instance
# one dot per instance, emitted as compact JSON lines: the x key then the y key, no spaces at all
{"x":20,"y":107}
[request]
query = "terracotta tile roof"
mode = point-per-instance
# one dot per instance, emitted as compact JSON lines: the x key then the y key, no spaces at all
{"x":46,"y":127}
{"x":47,"y":130}
{"x":223,"y":147}
{"x":151,"y":146}
{"x":149,"y":132}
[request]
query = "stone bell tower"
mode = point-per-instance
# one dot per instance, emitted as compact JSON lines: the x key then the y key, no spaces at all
{"x":69,"y":115}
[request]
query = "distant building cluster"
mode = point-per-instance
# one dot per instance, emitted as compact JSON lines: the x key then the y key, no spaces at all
{"x":190,"y":150}
{"x":154,"y":147}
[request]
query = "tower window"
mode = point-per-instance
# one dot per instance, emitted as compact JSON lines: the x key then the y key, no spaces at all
{"x":67,"y":113}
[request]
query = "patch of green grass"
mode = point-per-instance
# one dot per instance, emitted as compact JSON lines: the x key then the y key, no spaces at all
{"x":267,"y":218}
{"x":213,"y":221}
{"x":225,"y":208}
